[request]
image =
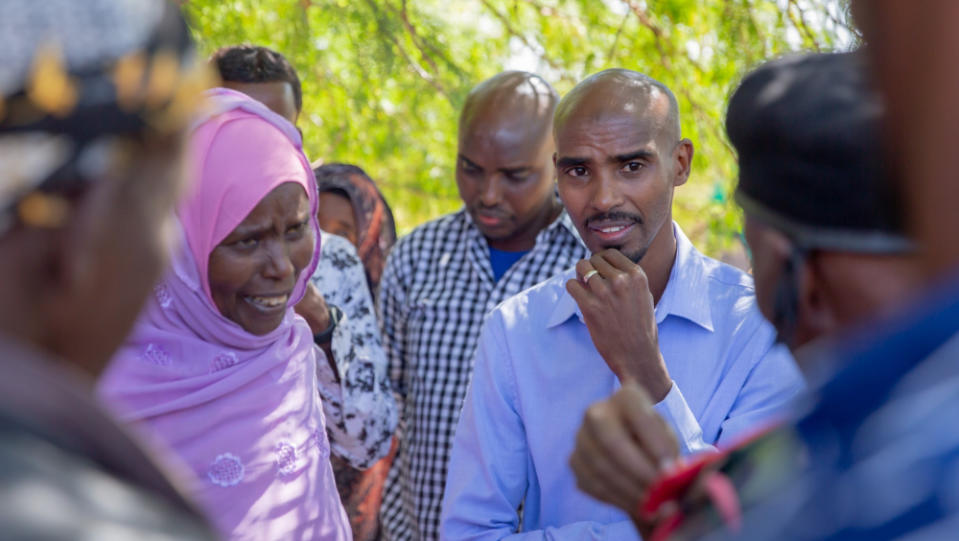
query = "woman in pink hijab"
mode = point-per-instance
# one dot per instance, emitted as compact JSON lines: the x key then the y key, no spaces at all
{"x":219,"y":367}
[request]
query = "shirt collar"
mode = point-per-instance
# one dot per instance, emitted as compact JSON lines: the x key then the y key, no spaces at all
{"x":686,"y":294}
{"x":478,"y":247}
{"x":561,"y":222}
{"x":687,"y":291}
{"x":565,"y":307}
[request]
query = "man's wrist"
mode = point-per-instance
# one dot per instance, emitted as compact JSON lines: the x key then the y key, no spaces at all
{"x":326,"y":335}
{"x":663,"y":392}
{"x":657,"y":384}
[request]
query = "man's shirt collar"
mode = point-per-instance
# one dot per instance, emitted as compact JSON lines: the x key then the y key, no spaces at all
{"x":561,"y":221}
{"x":686,"y":294}
{"x":478,"y":247}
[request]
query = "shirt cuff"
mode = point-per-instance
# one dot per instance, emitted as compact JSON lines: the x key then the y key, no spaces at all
{"x":676,"y":412}
{"x":622,"y":531}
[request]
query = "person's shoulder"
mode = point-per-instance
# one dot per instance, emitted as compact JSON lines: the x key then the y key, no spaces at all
{"x":732,"y":298}
{"x":563,"y":232}
{"x":73,"y":480}
{"x":430,"y":235}
{"x":444,"y":225}
{"x":531,"y":308}
{"x":729,"y":287}
{"x":435,"y":235}
{"x":727,"y":275}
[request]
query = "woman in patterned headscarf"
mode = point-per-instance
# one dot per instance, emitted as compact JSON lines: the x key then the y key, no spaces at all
{"x":354,"y":208}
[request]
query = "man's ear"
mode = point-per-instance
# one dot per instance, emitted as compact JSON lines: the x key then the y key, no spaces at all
{"x":683,"y":160}
{"x":817,"y":315}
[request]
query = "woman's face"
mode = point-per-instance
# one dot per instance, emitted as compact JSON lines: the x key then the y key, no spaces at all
{"x":336,"y":216}
{"x":254,"y":270}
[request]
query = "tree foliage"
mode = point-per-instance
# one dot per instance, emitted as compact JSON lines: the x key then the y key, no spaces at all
{"x":384,"y":79}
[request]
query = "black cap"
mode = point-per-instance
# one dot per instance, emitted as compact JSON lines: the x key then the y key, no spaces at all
{"x":76,"y":77}
{"x":807,"y":131}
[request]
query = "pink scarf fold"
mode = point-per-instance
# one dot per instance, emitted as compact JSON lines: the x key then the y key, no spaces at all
{"x":241,"y":410}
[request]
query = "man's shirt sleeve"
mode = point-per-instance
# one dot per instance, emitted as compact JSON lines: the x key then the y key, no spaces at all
{"x":488,"y":472}
{"x":772,"y":381}
{"x":674,"y":409}
{"x":770,"y":387}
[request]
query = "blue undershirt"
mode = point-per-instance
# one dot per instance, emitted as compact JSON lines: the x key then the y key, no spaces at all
{"x":501,"y":261}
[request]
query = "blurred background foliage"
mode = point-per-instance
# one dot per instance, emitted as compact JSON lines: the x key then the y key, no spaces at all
{"x":383,"y":80}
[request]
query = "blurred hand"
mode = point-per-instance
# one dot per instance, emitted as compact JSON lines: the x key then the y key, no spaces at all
{"x":314,"y":309}
{"x":622,"y":447}
{"x":618,"y":310}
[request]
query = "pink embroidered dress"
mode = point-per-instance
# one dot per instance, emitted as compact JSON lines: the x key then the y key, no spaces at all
{"x":241,"y":411}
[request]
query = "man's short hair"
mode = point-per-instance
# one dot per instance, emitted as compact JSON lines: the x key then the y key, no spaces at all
{"x":256,"y":64}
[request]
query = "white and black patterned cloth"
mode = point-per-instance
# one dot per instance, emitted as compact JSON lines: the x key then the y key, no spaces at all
{"x":435,"y":292}
{"x":358,"y":402}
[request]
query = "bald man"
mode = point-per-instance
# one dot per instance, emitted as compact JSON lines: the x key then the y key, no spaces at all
{"x":444,"y":277}
{"x":645,"y":308}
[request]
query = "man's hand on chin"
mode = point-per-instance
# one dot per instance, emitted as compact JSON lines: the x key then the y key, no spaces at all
{"x":613,"y":294}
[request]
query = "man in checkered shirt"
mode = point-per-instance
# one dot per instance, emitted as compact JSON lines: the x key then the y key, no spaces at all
{"x":442,"y":279}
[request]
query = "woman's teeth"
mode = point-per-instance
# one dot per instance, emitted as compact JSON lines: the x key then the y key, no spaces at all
{"x":269,"y":302}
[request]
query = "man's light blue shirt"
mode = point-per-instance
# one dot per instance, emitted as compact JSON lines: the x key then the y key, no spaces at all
{"x":536,"y":372}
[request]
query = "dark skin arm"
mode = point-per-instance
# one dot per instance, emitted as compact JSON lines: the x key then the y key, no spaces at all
{"x":315,"y":311}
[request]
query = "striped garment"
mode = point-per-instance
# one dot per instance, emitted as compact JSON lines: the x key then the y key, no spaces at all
{"x":875,"y":456}
{"x":436,"y":290}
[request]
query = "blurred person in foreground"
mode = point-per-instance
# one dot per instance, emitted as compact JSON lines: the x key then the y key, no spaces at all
{"x":219,"y":367}
{"x":647,"y":307}
{"x":91,"y":124}
{"x":831,"y":257}
{"x":358,"y":402}
{"x":354,"y":208}
{"x":443,"y":278}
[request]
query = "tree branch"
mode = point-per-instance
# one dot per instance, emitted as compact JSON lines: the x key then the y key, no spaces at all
{"x":619,"y":32}
{"x":417,"y":68}
{"x":800,"y":23}
{"x":512,"y":32}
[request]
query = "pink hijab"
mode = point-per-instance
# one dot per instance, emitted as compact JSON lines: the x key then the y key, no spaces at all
{"x":241,"y":410}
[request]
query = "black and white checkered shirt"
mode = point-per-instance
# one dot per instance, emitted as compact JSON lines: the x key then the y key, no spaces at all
{"x":437,"y":288}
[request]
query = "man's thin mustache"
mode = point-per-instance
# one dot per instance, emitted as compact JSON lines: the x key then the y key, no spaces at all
{"x":614,"y":216}
{"x":495,"y":211}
